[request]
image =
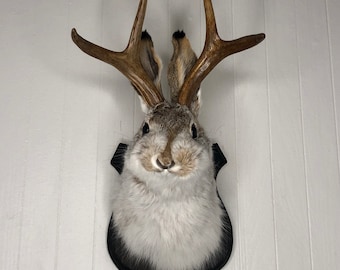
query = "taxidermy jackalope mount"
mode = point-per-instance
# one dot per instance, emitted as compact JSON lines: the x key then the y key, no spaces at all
{"x":167,"y":214}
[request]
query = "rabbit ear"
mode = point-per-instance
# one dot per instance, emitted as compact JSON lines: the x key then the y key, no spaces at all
{"x":182,"y":61}
{"x":152,"y":65}
{"x":151,"y":62}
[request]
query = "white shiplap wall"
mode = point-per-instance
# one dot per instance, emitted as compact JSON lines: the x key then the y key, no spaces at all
{"x":274,"y":110}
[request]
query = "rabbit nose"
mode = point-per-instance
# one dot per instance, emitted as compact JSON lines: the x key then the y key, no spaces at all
{"x":164,"y":160}
{"x":165,"y":163}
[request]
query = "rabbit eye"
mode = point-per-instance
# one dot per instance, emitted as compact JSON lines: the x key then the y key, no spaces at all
{"x":193,"y":131}
{"x":146,"y":128}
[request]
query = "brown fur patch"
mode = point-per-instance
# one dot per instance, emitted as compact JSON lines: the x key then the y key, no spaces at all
{"x":187,"y":160}
{"x":146,"y":156}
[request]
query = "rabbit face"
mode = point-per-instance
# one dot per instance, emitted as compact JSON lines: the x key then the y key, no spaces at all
{"x":170,"y":143}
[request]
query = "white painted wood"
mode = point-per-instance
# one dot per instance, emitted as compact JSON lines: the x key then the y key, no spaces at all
{"x":78,"y":168}
{"x":274,"y":110}
{"x":14,"y":134}
{"x":287,"y":138}
{"x":31,"y":57}
{"x":321,"y":155}
{"x":331,"y":251}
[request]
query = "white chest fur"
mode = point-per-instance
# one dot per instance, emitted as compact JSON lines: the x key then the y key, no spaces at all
{"x":178,"y":228}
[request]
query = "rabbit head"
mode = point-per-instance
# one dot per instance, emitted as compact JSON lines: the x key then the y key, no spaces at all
{"x":170,"y":141}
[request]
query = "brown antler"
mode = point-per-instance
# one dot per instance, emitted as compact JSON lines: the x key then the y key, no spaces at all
{"x":215,"y":50}
{"x":128,"y":61}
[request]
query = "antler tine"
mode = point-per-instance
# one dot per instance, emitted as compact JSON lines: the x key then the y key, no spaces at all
{"x":135,"y":36}
{"x":215,"y":50}
{"x":128,"y":61}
